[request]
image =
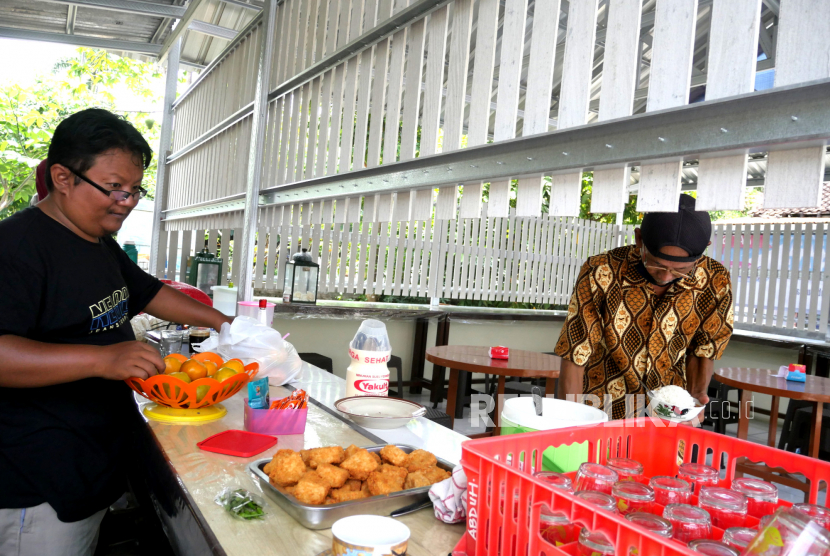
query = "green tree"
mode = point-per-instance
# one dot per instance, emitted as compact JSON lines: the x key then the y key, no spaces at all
{"x":29,"y":116}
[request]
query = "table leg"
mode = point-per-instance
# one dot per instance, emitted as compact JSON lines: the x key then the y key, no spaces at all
{"x":419,"y":348}
{"x":463,"y":386}
{"x":773,"y":422}
{"x":815,"y":429}
{"x":451,"y":395}
{"x":743,"y":414}
{"x":442,"y":336}
{"x":496,"y":409}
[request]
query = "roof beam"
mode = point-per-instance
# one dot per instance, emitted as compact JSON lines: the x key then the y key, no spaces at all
{"x":136,"y":7}
{"x":80,"y":40}
{"x":184,"y":24}
{"x":213,"y":30}
{"x":71,"y":14}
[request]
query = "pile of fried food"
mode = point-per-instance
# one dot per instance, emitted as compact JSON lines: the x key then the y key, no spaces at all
{"x":331,"y":475}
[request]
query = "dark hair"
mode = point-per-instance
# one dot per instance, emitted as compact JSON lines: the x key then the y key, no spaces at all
{"x":80,"y":138}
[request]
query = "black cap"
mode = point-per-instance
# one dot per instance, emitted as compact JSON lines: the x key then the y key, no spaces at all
{"x":687,"y":228}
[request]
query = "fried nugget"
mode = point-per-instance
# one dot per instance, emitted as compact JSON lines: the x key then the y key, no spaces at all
{"x":334,"y":475}
{"x":385,"y":481}
{"x":353,"y":484}
{"x":314,"y":457}
{"x":420,"y":459}
{"x":312,"y":489}
{"x":349,"y":452}
{"x":290,"y":490}
{"x":360,"y":465}
{"x":426,"y":477}
{"x":267,"y":467}
{"x":400,"y":471}
{"x":286,"y":468}
{"x":376,"y":457}
{"x":343,"y":495}
{"x":330,"y":501}
{"x":394,"y":455}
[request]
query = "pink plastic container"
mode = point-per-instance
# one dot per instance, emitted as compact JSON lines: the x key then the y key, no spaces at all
{"x":275,"y":421}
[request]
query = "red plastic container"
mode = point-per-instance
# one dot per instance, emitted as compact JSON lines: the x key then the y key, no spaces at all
{"x":242,"y":444}
{"x":507,"y":461}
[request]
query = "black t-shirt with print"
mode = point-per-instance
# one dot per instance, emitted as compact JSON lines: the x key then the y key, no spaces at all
{"x":63,"y":444}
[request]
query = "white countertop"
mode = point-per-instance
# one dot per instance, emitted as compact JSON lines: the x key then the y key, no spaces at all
{"x":326,"y":388}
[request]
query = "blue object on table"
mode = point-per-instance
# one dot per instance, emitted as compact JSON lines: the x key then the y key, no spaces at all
{"x":258,"y":394}
{"x":796,"y":376}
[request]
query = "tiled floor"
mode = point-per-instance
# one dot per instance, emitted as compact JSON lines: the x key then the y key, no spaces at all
{"x":758,"y":432}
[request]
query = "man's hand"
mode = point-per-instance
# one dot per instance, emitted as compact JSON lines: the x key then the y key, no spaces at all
{"x":698,"y":374}
{"x":174,"y":306}
{"x":127,"y":360}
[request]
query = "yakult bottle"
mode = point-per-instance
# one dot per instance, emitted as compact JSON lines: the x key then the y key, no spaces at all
{"x":368,"y":374}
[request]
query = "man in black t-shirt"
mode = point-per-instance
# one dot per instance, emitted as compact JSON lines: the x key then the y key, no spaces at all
{"x":66,"y":344}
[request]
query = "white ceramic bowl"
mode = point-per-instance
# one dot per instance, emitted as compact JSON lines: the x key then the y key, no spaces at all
{"x":379,"y":412}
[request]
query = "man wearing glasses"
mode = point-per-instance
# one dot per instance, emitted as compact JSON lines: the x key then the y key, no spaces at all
{"x":69,"y":292}
{"x":647,"y":315}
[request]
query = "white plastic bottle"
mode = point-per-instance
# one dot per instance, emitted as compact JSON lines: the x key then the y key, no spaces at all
{"x":370,"y":351}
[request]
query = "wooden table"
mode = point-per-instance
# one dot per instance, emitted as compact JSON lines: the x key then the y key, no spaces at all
{"x":476,"y":359}
{"x":815,"y":389}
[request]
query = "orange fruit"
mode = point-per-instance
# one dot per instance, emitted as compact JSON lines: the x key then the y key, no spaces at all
{"x":235,"y":364}
{"x":224,"y":373}
{"x":194,"y":369}
{"x":208,"y":356}
{"x":178,"y":356}
{"x":171,"y":365}
{"x":210,"y":366}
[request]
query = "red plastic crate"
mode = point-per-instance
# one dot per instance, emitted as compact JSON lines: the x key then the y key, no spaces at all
{"x":499,"y":524}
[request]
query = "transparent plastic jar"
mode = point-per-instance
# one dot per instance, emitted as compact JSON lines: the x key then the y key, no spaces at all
{"x":671,"y":490}
{"x":762,"y":496}
{"x":819,"y":514}
{"x":633,"y":497}
{"x":627,"y":469}
{"x":790,"y":533}
{"x":726,"y":507}
{"x":593,"y":476}
{"x":594,"y":544}
{"x":654,"y":523}
{"x":738,"y":537}
{"x":556,"y":528}
{"x":599,"y":499}
{"x":558,"y":480}
{"x":712,"y":548}
{"x":689,"y":523}
{"x":698,"y":475}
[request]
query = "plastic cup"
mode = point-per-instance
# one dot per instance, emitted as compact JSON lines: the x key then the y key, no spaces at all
{"x":627,"y":469}
{"x":712,"y":548}
{"x":633,"y":497}
{"x":689,"y":523}
{"x":557,"y":529}
{"x":599,"y":499}
{"x":171,"y":342}
{"x":762,"y":496}
{"x":819,"y":514}
{"x":557,"y":480}
{"x":739,"y":537}
{"x":726,"y":507}
{"x":670,"y":490}
{"x":790,"y":533}
{"x":593,"y":476}
{"x":594,"y":544}
{"x":698,"y":475}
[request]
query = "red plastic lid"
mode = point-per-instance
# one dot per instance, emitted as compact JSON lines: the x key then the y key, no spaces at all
{"x":242,"y":444}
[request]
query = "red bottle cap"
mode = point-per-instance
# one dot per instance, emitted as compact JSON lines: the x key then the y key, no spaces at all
{"x":263,"y":304}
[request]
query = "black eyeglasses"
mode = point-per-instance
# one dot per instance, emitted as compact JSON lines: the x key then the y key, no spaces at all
{"x":117,"y":194}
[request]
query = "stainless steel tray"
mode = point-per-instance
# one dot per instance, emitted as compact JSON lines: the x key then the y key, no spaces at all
{"x":322,"y":517}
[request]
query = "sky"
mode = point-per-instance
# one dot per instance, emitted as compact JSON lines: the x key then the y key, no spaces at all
{"x":32,"y":59}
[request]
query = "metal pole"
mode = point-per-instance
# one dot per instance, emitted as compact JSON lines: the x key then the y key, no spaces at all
{"x":164,"y":149}
{"x":244,"y":254}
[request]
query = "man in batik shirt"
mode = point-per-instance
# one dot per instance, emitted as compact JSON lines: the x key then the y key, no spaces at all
{"x":647,"y":315}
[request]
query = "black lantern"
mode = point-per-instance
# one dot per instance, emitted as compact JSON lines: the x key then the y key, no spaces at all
{"x":203,"y":271}
{"x":301,"y":275}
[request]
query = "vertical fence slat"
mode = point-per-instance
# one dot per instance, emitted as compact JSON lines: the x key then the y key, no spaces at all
{"x":805,"y":238}
{"x":434,"y":81}
{"x":412,"y":92}
{"x":785,"y":274}
{"x":815,"y":275}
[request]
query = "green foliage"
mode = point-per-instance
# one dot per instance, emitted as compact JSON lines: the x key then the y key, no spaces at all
{"x":29,"y":116}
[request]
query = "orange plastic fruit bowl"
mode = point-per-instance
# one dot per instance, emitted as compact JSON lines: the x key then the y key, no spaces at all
{"x":171,"y":391}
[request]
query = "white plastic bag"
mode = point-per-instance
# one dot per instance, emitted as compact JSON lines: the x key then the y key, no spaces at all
{"x":250,"y":341}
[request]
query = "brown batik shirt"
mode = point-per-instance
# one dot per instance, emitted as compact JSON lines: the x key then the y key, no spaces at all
{"x":627,"y":337}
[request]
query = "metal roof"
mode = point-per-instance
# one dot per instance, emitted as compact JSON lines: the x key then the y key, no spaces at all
{"x":136,"y":28}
